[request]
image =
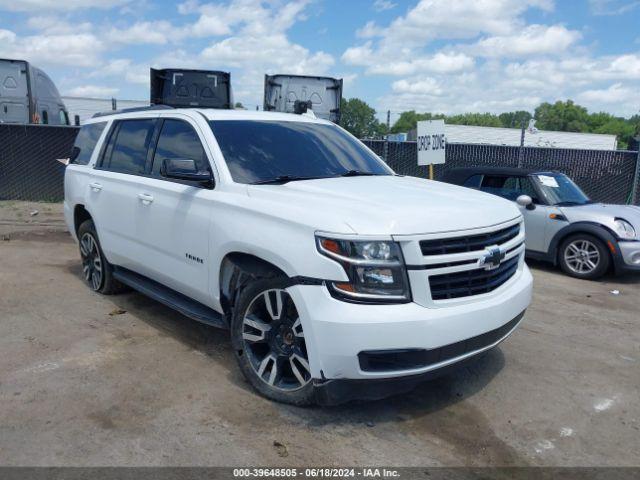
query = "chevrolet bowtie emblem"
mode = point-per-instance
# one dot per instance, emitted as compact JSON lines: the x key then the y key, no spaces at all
{"x":491,"y":258}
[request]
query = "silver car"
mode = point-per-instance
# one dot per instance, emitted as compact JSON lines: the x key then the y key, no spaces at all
{"x":563,"y":225}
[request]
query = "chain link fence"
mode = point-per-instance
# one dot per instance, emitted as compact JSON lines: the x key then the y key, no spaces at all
{"x":28,"y":166}
{"x":605,"y":175}
{"x":29,"y":170}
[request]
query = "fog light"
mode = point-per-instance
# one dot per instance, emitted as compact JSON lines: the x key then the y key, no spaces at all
{"x":635,"y":258}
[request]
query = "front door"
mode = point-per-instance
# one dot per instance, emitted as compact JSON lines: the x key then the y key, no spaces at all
{"x":172,"y":218}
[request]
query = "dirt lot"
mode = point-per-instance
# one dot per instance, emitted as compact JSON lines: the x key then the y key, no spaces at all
{"x":93,"y":380}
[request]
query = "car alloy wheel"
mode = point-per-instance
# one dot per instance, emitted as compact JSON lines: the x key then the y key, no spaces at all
{"x":91,"y":261}
{"x":582,"y":256}
{"x":274,"y":341}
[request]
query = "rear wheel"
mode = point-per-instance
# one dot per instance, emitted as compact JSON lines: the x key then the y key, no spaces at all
{"x":584,"y":256}
{"x":269,"y":344}
{"x":97,"y":272}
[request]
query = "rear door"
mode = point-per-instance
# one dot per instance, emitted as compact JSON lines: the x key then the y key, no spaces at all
{"x":172,"y":217}
{"x":114,"y":186}
{"x":14,"y":93}
{"x":511,"y":187}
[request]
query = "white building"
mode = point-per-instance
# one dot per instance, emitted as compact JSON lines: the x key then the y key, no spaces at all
{"x":532,"y":138}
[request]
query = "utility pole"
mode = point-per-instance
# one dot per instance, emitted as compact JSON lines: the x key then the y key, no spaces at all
{"x":114,"y":104}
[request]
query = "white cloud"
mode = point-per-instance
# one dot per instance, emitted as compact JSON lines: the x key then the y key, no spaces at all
{"x":157,"y":32}
{"x":428,"y":86}
{"x":399,"y":49}
{"x":124,"y":68}
{"x":62,"y":5}
{"x":456,"y":19}
{"x":92,"y":91}
{"x":79,"y":50}
{"x":614,"y":94}
{"x":369,"y":30}
{"x":56,"y":25}
{"x":612,"y":7}
{"x":625,"y":66}
{"x":532,"y":40}
{"x":382,"y":5}
{"x":441,"y":62}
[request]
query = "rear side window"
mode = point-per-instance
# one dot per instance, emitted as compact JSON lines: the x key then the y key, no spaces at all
{"x":178,"y":140}
{"x":128,"y":153}
{"x":86,"y":141}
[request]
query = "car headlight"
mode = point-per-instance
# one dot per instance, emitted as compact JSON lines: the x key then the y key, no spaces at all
{"x":624,"y":229}
{"x":375,"y":269}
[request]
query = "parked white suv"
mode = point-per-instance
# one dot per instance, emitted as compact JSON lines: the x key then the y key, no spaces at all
{"x":337,"y":278}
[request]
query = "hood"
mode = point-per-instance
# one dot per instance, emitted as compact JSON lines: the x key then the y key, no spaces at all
{"x":603,"y":213}
{"x":384,"y":205}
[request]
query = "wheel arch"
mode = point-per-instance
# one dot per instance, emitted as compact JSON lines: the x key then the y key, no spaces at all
{"x":237,"y":269}
{"x":80,"y":215}
{"x":591,"y":228}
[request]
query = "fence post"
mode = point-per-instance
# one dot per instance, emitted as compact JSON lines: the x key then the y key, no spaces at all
{"x":634,"y":187}
{"x":386,"y":138}
{"x":521,"y":150}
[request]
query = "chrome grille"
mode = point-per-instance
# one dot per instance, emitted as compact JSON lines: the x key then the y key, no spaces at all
{"x":471,"y":282}
{"x":445,"y":246}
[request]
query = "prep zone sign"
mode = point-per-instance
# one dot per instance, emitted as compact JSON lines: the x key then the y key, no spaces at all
{"x":431,"y":142}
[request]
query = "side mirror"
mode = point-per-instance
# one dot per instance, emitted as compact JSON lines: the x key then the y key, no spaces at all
{"x":75,"y":151}
{"x":526,"y":202}
{"x":184,"y":169}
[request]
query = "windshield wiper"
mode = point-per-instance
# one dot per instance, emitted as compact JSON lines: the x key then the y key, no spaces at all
{"x":356,"y":173}
{"x":570,"y":203}
{"x":282,"y":179}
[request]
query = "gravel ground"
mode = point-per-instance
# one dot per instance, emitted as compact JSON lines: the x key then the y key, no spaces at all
{"x":90,"y":380}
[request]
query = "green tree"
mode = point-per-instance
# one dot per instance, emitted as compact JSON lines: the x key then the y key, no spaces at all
{"x":239,"y":105}
{"x":360,"y":119}
{"x":562,"y":117}
{"x":478,"y":119}
{"x":515,"y":119}
{"x":409,"y":120}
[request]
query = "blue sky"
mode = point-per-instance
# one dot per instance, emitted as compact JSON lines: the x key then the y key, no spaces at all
{"x":448,"y":56}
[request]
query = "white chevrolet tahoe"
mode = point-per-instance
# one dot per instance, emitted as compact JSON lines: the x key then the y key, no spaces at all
{"x":337,"y":278}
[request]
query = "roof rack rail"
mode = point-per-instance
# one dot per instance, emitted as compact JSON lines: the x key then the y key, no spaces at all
{"x":132,"y":109}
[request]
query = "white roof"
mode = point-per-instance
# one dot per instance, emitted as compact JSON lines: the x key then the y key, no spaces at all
{"x":209,"y":113}
{"x":536,"y":138}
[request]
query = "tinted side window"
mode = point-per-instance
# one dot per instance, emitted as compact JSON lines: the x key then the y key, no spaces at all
{"x":508,"y":187}
{"x":178,"y":139}
{"x":473,"y":181}
{"x":86,"y":141}
{"x":129,"y":154}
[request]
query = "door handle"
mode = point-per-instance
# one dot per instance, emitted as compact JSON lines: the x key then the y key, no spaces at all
{"x":145,"y":198}
{"x":96,"y":187}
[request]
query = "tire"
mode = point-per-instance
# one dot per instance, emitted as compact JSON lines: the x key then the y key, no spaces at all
{"x":97,"y":272}
{"x":584,"y":256}
{"x":269,"y":345}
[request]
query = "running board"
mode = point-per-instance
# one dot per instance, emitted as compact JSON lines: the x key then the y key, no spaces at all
{"x":170,"y":298}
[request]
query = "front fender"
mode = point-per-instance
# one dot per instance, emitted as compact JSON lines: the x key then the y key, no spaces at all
{"x":597,"y":230}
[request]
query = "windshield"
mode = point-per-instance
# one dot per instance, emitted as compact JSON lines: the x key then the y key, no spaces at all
{"x":559,"y":189}
{"x":266,"y":151}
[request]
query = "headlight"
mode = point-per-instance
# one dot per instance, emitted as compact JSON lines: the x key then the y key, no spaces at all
{"x":375,"y":269}
{"x":624,"y":229}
